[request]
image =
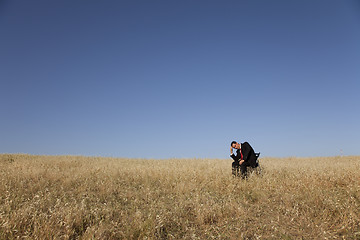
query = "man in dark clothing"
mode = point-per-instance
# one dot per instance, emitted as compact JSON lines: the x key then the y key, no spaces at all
{"x":245,"y":157}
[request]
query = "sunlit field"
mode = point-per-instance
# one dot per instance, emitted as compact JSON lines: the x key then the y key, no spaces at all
{"x":72,"y":197}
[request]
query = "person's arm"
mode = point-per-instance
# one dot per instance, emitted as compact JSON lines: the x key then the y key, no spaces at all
{"x":232,"y":155}
{"x":248,"y":152}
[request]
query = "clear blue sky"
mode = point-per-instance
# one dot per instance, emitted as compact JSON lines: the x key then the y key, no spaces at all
{"x":163,"y":79}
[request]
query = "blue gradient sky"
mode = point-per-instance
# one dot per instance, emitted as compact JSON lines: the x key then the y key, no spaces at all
{"x":162,"y":79}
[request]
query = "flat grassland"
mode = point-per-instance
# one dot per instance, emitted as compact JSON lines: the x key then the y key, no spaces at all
{"x":73,"y":197}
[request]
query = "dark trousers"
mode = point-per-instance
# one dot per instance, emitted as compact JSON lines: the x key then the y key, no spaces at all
{"x":236,"y":168}
{"x":243,"y":169}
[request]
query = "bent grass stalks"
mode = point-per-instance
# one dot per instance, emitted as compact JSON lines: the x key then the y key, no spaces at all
{"x":74,"y":197}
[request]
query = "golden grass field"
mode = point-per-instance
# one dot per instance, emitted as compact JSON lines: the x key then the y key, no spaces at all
{"x":73,"y":197}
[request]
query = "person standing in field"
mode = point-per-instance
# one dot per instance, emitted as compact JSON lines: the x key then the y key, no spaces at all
{"x":245,"y":157}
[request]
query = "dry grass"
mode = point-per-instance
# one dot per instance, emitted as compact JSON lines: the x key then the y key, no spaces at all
{"x":71,"y":197}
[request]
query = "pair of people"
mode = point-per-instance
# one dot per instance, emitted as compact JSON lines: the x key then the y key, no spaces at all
{"x":245,"y":157}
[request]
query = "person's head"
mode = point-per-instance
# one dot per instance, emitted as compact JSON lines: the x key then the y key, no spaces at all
{"x":235,"y":145}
